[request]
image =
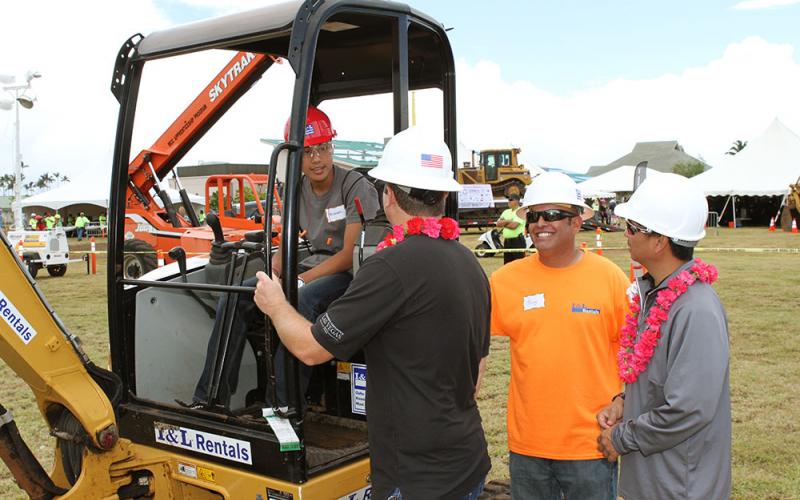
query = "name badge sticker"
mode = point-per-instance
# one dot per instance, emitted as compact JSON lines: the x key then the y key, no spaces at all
{"x":336,"y":213}
{"x":533,"y":302}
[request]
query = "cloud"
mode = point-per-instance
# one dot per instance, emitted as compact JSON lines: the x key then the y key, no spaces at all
{"x":704,"y":108}
{"x":71,"y":128}
{"x":763,"y":4}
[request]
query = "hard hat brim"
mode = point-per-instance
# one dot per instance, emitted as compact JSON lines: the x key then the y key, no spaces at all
{"x":629,"y":211}
{"x":394,"y":175}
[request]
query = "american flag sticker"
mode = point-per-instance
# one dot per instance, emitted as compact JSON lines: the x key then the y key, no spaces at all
{"x":309,"y":129}
{"x":431,"y":161}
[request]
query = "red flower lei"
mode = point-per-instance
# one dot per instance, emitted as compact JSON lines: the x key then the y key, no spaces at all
{"x":445,"y":228}
{"x":633,"y":357}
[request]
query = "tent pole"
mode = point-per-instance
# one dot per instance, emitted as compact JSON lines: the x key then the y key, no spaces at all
{"x":734,"y":210}
{"x":722,"y":212}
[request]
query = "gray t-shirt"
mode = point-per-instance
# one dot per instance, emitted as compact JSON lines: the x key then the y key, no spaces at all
{"x":325,"y":217}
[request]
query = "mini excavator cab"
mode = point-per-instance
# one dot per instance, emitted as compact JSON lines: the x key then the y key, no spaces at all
{"x":161,"y":324}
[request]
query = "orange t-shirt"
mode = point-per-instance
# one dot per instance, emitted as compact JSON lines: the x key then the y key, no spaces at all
{"x":564,"y":327}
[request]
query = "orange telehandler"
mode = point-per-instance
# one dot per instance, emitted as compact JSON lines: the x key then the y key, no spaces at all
{"x":156,"y":227}
{"x":119,"y":431}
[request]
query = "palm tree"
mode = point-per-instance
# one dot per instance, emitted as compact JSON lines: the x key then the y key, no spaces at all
{"x":736,"y":147}
{"x":28,"y":187}
{"x":6,"y":183}
{"x":44,"y":181}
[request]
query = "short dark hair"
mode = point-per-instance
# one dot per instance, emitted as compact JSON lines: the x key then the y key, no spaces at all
{"x":423,"y":203}
{"x":680,"y":252}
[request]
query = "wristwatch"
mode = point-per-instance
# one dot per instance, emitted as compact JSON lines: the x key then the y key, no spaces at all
{"x":620,"y":395}
{"x":300,"y":282}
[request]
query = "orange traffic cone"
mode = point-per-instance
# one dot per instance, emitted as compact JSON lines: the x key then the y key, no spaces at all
{"x":160,"y":258}
{"x":599,"y":242}
{"x":794,"y":226}
{"x":772,"y":224}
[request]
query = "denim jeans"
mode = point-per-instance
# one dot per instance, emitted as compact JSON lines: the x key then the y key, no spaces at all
{"x":79,"y":231}
{"x":312,"y":300}
{"x":473,"y":494}
{"x":545,"y":479}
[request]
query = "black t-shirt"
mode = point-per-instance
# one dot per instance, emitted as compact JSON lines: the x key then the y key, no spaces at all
{"x":421,"y":312}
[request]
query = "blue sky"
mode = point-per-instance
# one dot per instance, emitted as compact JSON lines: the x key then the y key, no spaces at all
{"x":565,"y":46}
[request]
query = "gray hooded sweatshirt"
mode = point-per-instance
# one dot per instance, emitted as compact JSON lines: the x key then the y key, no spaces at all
{"x":675,"y":435}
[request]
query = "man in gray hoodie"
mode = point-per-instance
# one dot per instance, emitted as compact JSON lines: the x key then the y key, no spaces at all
{"x":672,"y":425}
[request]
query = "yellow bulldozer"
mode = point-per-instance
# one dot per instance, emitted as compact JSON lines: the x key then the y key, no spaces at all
{"x":793,"y":207}
{"x":124,"y":431}
{"x":500,"y":168}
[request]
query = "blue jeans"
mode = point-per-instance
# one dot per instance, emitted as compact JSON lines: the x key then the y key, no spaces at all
{"x":473,"y":494}
{"x":541,"y":478}
{"x":79,"y":231}
{"x":312,"y":300}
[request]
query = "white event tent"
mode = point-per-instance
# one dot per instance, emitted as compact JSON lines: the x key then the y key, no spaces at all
{"x":619,"y":180}
{"x":71,"y":193}
{"x":92,"y":190}
{"x":765,"y":167}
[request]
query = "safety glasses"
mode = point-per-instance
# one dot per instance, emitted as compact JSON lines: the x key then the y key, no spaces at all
{"x":549,"y":215}
{"x":633,"y":228}
{"x":317,"y":150}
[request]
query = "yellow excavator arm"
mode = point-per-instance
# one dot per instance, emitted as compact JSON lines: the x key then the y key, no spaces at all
{"x":38,"y":348}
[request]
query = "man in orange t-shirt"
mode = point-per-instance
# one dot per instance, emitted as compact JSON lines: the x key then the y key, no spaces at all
{"x":563,"y":310}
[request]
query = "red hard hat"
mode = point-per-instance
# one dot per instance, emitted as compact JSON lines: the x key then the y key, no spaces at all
{"x":318,"y":128}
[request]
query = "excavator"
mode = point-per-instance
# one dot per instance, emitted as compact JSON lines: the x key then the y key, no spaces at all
{"x":121,"y":430}
{"x":153,"y":228}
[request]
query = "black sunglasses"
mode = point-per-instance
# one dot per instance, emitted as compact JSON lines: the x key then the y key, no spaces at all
{"x":549,"y":215}
{"x":633,"y":228}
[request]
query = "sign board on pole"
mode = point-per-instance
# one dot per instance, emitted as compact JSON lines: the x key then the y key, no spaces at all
{"x":476,"y":196}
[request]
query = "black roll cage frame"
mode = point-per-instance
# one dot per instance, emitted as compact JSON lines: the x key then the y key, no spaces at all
{"x":303,"y":46}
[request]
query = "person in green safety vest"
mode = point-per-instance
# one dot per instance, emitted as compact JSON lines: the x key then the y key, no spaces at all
{"x":57,"y":217}
{"x":201,"y":217}
{"x":32,"y":221}
{"x":513,"y":227}
{"x":80,"y":225}
{"x":102,"y":220}
{"x":49,"y":221}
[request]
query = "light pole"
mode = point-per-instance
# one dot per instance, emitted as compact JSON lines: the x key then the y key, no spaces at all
{"x":19,"y":99}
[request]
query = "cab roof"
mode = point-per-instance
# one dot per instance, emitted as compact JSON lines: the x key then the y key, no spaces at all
{"x":343,"y":26}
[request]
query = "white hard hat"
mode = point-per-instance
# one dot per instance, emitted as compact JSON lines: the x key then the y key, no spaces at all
{"x":670,"y":205}
{"x":418,"y":159}
{"x":555,"y":188}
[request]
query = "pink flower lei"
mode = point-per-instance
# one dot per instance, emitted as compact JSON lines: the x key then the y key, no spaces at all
{"x":445,"y":228}
{"x":633,"y":357}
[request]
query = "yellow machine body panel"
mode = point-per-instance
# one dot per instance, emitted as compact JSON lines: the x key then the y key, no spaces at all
{"x":36,"y":347}
{"x":173,"y":475}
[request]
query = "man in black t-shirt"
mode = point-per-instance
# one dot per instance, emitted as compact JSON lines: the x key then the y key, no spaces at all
{"x":420,"y":310}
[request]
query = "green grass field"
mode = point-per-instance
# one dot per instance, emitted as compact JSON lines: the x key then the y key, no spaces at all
{"x":760,"y":290}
